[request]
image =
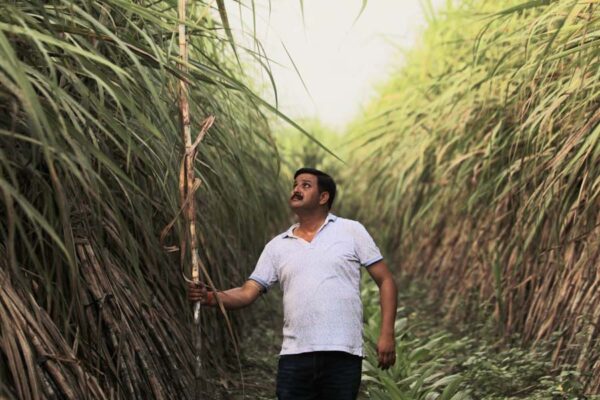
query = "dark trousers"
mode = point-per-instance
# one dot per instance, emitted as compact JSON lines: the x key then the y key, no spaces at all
{"x":320,"y":375}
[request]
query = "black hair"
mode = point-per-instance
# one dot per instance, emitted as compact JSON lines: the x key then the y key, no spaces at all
{"x":324,"y":181}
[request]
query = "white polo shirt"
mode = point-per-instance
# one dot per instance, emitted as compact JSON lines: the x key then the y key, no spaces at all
{"x":320,"y":281}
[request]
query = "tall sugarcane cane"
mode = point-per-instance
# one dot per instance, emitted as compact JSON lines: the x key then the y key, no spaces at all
{"x":188,"y":182}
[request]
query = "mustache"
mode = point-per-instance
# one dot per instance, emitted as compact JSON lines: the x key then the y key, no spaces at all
{"x":296,"y":196}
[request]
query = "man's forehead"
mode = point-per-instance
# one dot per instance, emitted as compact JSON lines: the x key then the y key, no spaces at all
{"x":305,"y":177}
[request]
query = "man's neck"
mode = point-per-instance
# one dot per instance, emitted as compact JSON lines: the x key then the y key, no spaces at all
{"x":310,"y":222}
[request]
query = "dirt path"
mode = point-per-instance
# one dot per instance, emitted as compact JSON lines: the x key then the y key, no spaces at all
{"x":260,"y":344}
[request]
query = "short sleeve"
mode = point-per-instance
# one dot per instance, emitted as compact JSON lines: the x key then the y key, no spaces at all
{"x":366,"y":250}
{"x":265,"y":272}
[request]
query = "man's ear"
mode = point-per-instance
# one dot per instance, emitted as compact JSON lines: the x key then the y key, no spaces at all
{"x":323,"y":198}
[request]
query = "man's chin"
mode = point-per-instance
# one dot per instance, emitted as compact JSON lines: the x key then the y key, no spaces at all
{"x":296,"y":204}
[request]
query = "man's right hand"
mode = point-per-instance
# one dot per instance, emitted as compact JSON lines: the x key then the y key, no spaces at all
{"x":230,"y":299}
{"x":198,"y":292}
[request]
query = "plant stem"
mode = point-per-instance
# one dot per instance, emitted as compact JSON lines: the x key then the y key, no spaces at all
{"x":190,"y":209}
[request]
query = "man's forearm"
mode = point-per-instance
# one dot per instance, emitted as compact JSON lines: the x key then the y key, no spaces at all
{"x":386,"y":344}
{"x":231,"y":299}
{"x":235,"y":298}
{"x":388,"y":299}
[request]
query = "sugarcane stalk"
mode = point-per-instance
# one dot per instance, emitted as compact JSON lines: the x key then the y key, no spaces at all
{"x":190,"y":209}
{"x":190,"y":183}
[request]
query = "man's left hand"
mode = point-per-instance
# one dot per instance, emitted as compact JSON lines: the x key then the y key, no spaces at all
{"x":386,"y":351}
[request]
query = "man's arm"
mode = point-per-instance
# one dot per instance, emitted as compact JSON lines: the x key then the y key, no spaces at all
{"x":386,"y":345}
{"x":231,"y":299}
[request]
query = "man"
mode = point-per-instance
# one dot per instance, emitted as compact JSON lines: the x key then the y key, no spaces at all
{"x":317,"y":262}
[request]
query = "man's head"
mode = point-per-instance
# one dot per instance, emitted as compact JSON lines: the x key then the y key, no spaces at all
{"x":312,"y":189}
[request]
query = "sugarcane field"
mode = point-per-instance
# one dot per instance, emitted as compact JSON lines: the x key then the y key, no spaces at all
{"x":333,"y":200}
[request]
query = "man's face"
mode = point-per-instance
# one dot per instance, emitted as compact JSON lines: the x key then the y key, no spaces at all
{"x":305,"y":193}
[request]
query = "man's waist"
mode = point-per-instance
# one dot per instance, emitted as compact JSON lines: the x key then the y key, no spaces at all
{"x":288,"y":349}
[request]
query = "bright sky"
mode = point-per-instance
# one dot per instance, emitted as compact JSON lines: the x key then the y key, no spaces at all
{"x":339,"y":62}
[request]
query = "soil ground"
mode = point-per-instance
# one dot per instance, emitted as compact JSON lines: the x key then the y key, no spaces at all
{"x":260,"y":346}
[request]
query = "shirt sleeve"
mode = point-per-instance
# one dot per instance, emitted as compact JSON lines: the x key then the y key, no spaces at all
{"x":366,"y":250}
{"x":265,"y":273}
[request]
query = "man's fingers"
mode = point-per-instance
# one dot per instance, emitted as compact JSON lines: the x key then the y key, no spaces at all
{"x":390,"y":359}
{"x":379,"y":358}
{"x":196,"y":291}
{"x":196,"y":285}
{"x":386,"y":359}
